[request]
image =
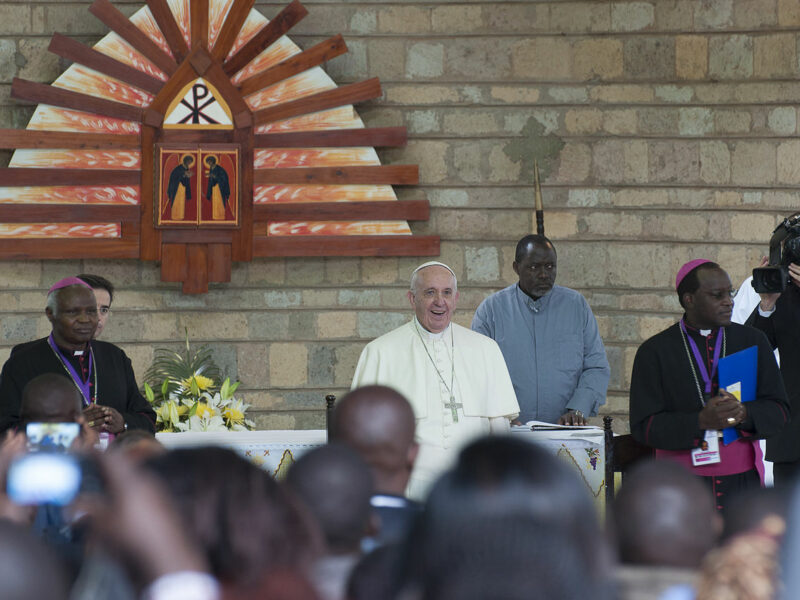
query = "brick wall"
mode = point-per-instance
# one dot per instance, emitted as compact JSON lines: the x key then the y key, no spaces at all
{"x":665,"y":131}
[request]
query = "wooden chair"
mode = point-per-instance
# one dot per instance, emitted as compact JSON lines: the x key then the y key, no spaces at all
{"x":621,"y":452}
{"x":330,"y":400}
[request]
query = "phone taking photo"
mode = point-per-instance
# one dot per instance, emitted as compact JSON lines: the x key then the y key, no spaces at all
{"x":52,"y":437}
{"x":43,"y":478}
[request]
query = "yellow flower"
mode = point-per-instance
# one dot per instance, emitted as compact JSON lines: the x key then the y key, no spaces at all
{"x":204,"y":410}
{"x":233,"y":414}
{"x":203,"y":382}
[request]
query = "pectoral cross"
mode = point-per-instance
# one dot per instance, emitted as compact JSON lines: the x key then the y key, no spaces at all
{"x":453,"y":406}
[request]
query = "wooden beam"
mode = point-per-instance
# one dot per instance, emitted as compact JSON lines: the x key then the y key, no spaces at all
{"x":149,"y":237}
{"x":56,"y":248}
{"x":48,"y":94}
{"x":407,"y":210}
{"x":173,"y":262}
{"x":66,"y":47}
{"x":347,"y":245}
{"x":20,"y":176}
{"x":379,"y":174}
{"x":169,"y":28}
{"x":31,"y":138}
{"x":198,"y":20}
{"x":154,"y":114}
{"x":234,"y":21}
{"x":293,"y":65}
{"x":196,"y":236}
{"x":334,"y":138}
{"x":292,"y":14}
{"x":345,"y":94}
{"x":67,"y":213}
{"x":196,"y":281}
{"x":242,"y":116}
{"x":219,"y":263}
{"x":188,"y":136}
{"x":242,"y":243}
{"x":122,"y":26}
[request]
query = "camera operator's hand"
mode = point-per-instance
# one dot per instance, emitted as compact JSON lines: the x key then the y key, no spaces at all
{"x":794,"y":273}
{"x":722,"y":411}
{"x":767,"y":300}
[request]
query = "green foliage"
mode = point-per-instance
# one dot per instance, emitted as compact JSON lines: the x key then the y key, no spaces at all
{"x":170,"y":368}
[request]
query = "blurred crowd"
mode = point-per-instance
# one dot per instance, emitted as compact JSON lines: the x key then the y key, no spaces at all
{"x":509,"y":520}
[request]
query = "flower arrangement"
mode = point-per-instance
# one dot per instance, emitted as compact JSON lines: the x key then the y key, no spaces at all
{"x":182,"y":388}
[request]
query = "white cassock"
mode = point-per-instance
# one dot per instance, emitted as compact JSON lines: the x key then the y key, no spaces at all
{"x":480,"y":384}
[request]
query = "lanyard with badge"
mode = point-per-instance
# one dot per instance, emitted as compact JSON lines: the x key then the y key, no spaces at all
{"x":708,"y":452}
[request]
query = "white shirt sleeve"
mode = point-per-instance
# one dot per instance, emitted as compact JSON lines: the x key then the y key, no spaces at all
{"x":183,"y":585}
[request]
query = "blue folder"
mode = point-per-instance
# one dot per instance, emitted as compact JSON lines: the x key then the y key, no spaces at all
{"x":742,"y":368}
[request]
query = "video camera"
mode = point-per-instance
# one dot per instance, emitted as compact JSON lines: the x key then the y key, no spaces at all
{"x":784,"y":248}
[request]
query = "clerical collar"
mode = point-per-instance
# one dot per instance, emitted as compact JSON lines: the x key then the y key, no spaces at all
{"x":429,"y":334}
{"x":703,"y":332}
{"x":75,"y":353}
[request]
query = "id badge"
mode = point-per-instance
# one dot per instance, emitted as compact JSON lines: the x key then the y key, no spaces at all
{"x":708,"y":452}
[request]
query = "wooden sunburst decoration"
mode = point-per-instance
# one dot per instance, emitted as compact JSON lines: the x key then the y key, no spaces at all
{"x":196,"y":133}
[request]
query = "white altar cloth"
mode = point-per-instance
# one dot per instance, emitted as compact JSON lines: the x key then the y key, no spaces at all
{"x":276,"y":450}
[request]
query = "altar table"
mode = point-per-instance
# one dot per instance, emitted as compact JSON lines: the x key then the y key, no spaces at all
{"x":276,"y":450}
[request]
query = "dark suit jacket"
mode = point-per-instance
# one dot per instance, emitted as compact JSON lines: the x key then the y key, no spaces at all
{"x":396,"y":514}
{"x":783,"y":332}
{"x":116,"y":383}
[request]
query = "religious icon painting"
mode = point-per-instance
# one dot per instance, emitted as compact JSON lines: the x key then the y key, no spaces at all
{"x":219,"y":183}
{"x":178,"y":187}
{"x":198,"y":187}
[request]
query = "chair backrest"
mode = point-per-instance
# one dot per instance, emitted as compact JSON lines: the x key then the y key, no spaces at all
{"x":621,"y":452}
{"x":330,"y":400}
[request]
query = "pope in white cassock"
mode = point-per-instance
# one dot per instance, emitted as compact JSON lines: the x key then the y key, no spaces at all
{"x":456,"y":379}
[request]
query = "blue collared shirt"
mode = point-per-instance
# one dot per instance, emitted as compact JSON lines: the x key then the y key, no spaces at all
{"x":552,"y":348}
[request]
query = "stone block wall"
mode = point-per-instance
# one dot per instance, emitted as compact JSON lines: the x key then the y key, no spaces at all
{"x":665,"y":130}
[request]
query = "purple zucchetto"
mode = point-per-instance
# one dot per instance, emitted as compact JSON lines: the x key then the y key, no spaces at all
{"x":688,"y":268}
{"x":66,"y":282}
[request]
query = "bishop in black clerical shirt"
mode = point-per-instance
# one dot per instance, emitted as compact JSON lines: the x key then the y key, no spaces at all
{"x":100,"y":371}
{"x":675,"y":400}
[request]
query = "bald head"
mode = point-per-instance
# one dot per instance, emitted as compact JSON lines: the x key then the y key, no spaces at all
{"x":378,"y":423}
{"x":664,"y":516}
{"x":50,"y":398}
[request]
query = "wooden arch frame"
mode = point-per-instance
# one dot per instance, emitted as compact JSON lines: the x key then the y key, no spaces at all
{"x":199,"y":256}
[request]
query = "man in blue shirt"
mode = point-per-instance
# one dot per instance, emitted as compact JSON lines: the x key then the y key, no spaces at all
{"x":549,"y":339}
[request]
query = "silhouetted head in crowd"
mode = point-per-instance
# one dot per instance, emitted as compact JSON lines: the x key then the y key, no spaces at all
{"x":50,"y":398}
{"x":245,"y":523}
{"x":509,"y":521}
{"x":335,"y":484}
{"x":137,"y":444}
{"x":28,"y":568}
{"x":378,"y":423}
{"x":664,"y":516}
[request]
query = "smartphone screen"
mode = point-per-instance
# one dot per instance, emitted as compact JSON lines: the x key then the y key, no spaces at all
{"x":53,"y":437}
{"x":43,"y":478}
